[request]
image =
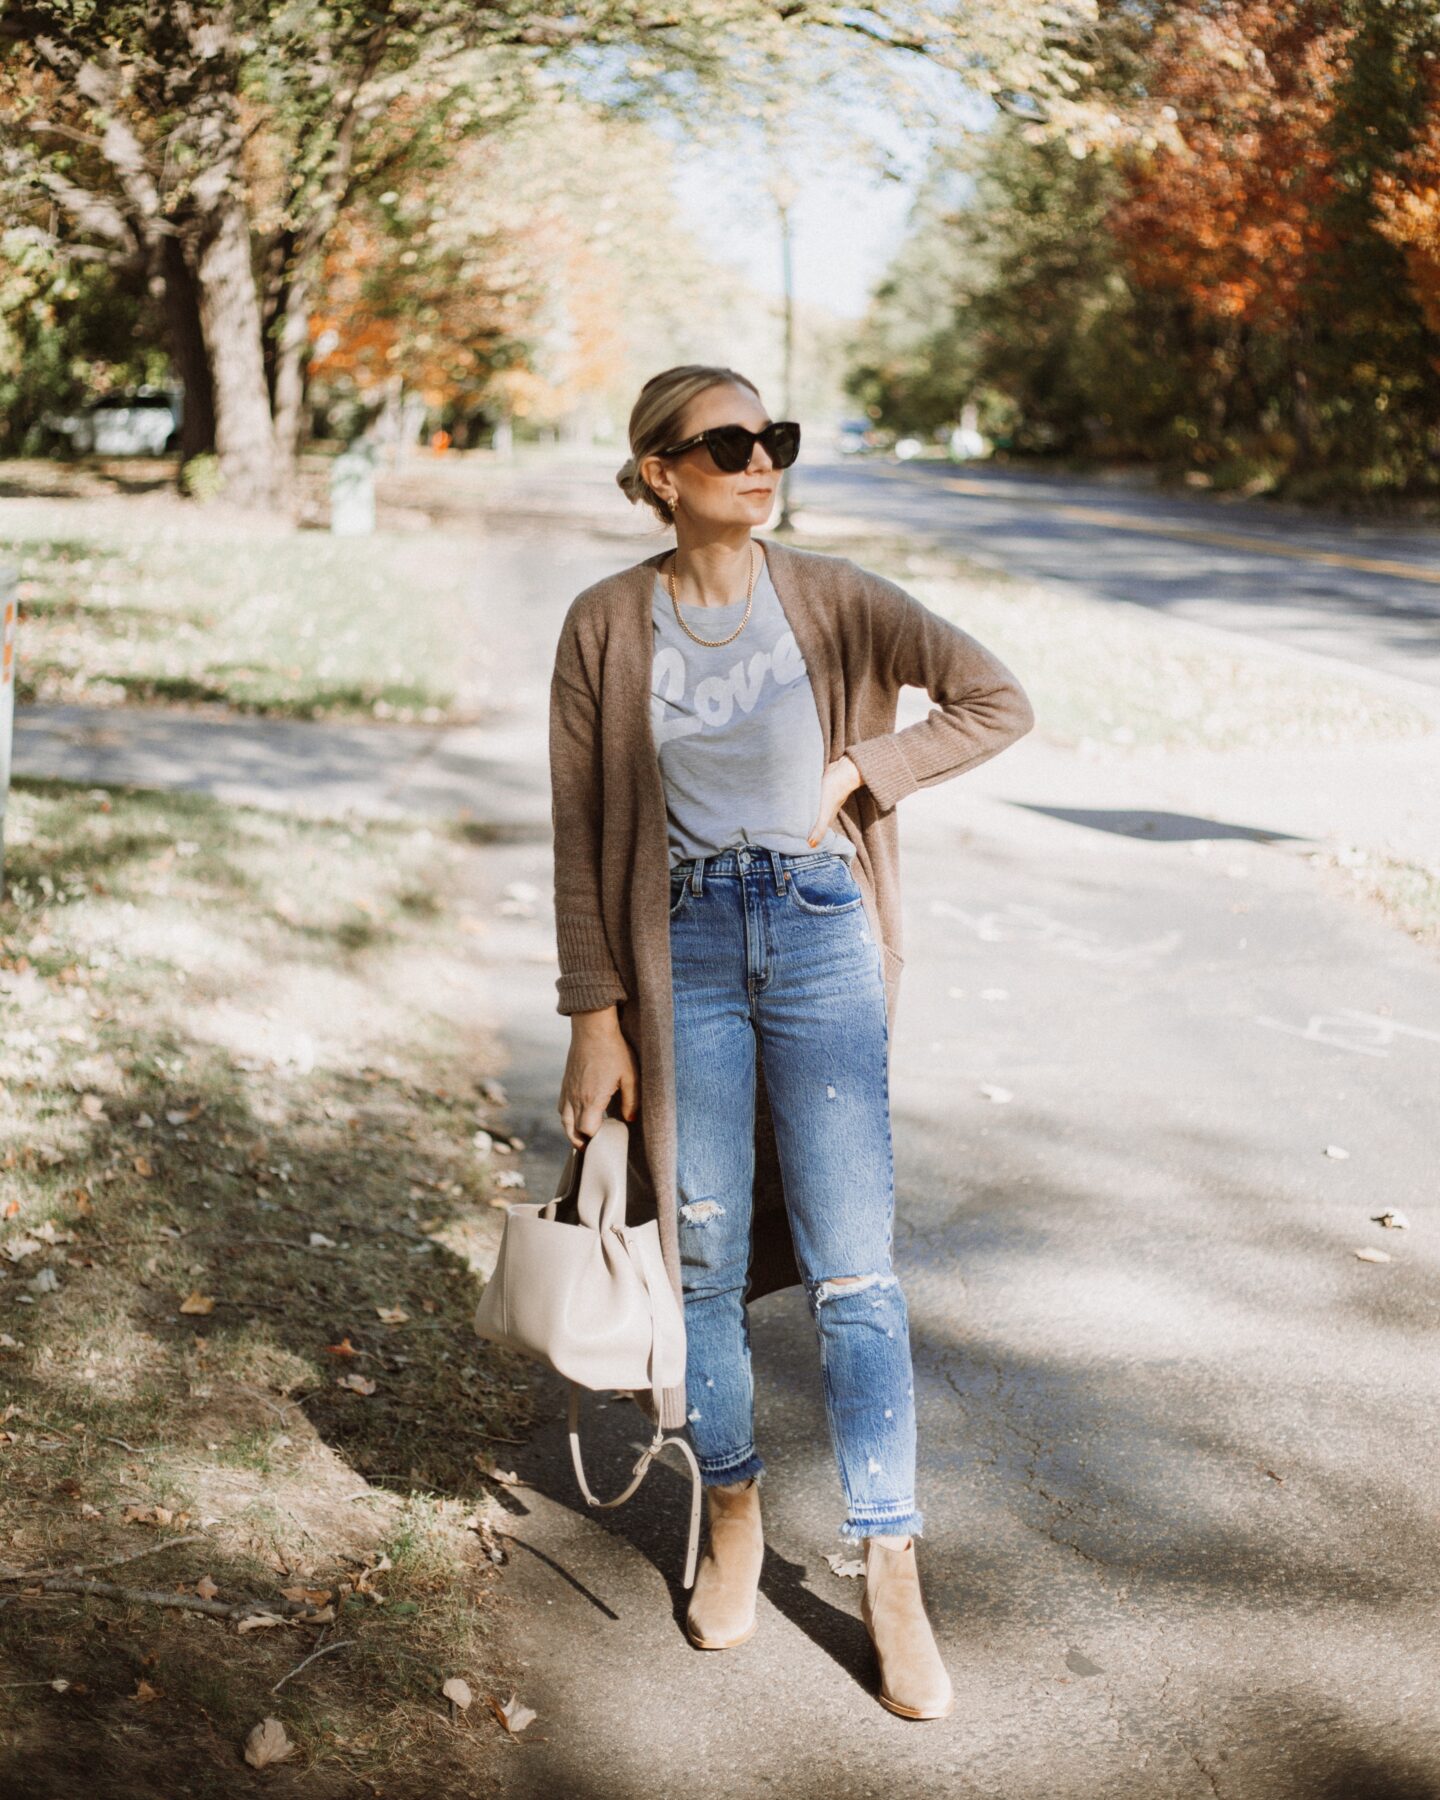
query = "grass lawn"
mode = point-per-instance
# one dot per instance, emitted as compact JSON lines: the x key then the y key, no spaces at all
{"x":243,"y":1076}
{"x":150,"y":598}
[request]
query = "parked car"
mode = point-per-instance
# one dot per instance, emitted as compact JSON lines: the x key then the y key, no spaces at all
{"x":855,"y":436}
{"x":145,"y":422}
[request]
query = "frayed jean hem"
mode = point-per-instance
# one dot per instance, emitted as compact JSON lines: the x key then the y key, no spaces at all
{"x":897,"y":1524}
{"x":731,"y":1473}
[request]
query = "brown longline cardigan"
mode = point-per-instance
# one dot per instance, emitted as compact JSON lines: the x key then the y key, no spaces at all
{"x":863,"y":638}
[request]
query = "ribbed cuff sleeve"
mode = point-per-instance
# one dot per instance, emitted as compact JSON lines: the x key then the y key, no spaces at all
{"x":884,"y":769}
{"x":589,"y":978}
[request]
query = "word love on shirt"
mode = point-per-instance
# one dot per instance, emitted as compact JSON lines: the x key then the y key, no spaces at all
{"x":712,"y":704}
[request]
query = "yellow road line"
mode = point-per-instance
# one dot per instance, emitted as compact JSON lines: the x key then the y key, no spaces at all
{"x":1194,"y":534}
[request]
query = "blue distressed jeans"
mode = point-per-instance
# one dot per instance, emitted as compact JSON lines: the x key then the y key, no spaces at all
{"x":772,"y":953}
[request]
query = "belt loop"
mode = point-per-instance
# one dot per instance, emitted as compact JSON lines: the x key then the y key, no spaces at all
{"x":696,"y":885}
{"x":777,"y":868}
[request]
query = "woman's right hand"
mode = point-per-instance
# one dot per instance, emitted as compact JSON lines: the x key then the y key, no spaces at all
{"x":600,"y":1061}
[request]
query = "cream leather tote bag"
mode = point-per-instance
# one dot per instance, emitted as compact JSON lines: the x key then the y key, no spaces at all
{"x":580,"y":1289}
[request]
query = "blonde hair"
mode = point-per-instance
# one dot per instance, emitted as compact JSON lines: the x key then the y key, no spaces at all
{"x":657,"y":419}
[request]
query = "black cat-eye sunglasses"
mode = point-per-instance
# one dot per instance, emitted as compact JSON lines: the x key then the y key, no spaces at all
{"x":731,"y":446}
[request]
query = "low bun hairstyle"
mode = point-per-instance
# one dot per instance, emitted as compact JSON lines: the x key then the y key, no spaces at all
{"x":658,"y":419}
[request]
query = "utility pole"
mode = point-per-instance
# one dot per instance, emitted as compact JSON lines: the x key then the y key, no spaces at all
{"x":783,"y":191}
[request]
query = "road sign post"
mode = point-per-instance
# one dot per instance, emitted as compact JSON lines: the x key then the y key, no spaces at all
{"x":8,"y":586}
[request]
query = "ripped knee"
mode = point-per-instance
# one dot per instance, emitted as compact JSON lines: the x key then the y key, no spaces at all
{"x":838,"y":1285}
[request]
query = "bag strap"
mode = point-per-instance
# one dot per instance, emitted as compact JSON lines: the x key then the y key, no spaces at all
{"x":657,"y":1445}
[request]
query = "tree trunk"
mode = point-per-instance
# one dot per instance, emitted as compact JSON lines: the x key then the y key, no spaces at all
{"x":187,"y":351}
{"x":292,"y":345}
{"x":230,"y":316}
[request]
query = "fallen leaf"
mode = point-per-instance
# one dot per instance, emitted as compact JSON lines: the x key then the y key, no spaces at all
{"x":506,"y":1477}
{"x":357,"y":1384}
{"x":1369,"y":1255}
{"x":144,"y":1167}
{"x":206,"y":1588}
{"x":392,"y":1315}
{"x":60,"y":1684}
{"x":304,"y":1596}
{"x":1392,"y":1221}
{"x":184,"y":1118}
{"x":196,"y":1302}
{"x":267,"y":1743}
{"x":258,"y":1621}
{"x":92,"y":1106}
{"x":343,"y":1348}
{"x":844,"y":1566}
{"x":45,"y":1282}
{"x":319,"y":1241}
{"x":147,"y":1515}
{"x":144,"y":1693}
{"x":18,"y":1248}
{"x":512,"y":1715}
{"x":458,"y":1692}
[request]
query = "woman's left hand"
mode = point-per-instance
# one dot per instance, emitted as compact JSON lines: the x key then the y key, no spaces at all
{"x":837,"y":784}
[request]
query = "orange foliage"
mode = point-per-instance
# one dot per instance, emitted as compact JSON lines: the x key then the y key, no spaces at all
{"x":1408,"y":204}
{"x":1228,"y":215}
{"x":378,"y":317}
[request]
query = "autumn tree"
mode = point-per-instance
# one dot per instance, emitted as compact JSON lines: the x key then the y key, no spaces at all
{"x":140,"y":127}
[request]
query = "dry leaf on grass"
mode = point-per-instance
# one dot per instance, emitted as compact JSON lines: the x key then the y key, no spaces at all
{"x":258,"y":1621}
{"x":92,"y":1106}
{"x":343,"y":1348}
{"x":307,"y":1596}
{"x":196,"y":1302}
{"x":1369,"y":1255}
{"x":319,"y":1241}
{"x":457,"y":1692}
{"x":150,"y":1515}
{"x":512,"y":1715}
{"x":206,"y":1588}
{"x":357,"y":1384}
{"x":144,"y":1693}
{"x":144,"y":1168}
{"x":267,"y":1743}
{"x":392,"y":1315}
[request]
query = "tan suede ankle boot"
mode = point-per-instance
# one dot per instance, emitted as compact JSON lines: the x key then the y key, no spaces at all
{"x":722,"y":1601}
{"x":913,"y":1681}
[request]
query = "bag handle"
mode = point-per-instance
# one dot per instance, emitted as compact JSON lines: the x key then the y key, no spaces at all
{"x":657,"y":1445}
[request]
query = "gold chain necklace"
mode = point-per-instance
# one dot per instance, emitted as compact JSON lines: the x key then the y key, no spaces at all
{"x":714,"y":643}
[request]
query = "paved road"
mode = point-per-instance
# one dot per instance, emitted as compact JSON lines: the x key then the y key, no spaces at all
{"x":1178,"y":1451}
{"x":1366,"y":593}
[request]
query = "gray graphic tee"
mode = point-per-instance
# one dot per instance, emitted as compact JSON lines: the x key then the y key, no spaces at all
{"x":736,"y":729}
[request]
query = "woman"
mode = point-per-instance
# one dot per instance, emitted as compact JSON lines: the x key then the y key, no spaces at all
{"x":728,"y":923}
